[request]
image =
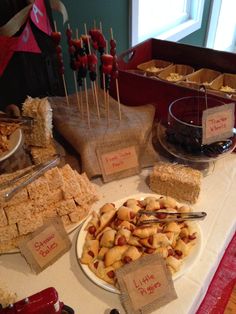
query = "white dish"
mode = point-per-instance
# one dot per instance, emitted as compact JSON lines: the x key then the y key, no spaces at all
{"x":14,"y":142}
{"x":187,"y":263}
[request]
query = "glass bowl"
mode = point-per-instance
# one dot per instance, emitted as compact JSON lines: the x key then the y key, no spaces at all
{"x":184,"y":127}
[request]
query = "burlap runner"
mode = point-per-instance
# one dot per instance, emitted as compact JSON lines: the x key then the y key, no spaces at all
{"x":135,"y":127}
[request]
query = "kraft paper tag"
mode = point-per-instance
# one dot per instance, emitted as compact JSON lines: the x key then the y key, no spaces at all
{"x":145,"y":285}
{"x":118,"y":160}
{"x":44,"y":246}
{"x":217,"y":123}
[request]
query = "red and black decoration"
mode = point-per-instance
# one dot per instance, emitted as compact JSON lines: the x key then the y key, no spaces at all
{"x":25,"y":42}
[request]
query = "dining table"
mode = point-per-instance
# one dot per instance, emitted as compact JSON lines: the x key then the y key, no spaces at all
{"x":76,"y":289}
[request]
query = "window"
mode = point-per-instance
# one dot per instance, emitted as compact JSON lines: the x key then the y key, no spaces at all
{"x":221,"y":33}
{"x":164,"y":19}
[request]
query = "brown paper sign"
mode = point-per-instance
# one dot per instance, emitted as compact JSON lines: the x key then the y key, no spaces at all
{"x":218,"y":123}
{"x":43,"y":247}
{"x":118,"y":161}
{"x":145,"y":284}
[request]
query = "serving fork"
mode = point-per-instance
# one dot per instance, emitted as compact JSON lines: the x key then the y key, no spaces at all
{"x":162,"y":216}
{"x":27,"y":177}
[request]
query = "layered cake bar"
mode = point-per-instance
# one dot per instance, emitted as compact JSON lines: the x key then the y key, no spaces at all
{"x":175,"y":180}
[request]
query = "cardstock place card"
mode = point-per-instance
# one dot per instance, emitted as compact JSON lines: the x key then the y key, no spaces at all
{"x":217,"y":123}
{"x":145,"y":285}
{"x":43,"y":247}
{"x":118,"y":161}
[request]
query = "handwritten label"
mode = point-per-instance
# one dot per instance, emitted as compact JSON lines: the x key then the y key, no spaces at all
{"x":117,"y":161}
{"x":145,"y":284}
{"x":43,"y":247}
{"x":46,"y":245}
{"x":120,"y":160}
{"x":218,"y":123}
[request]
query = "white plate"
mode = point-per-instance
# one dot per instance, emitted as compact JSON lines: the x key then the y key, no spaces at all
{"x":14,"y":142}
{"x":187,"y":263}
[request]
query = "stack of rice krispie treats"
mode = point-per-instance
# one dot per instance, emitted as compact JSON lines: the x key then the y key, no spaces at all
{"x":59,"y":192}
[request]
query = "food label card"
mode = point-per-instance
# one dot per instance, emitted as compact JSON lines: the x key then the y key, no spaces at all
{"x":118,"y":161}
{"x":43,"y":247}
{"x":218,"y":123}
{"x":145,"y":284}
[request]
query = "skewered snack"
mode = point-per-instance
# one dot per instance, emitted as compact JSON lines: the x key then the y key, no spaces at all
{"x":107,"y":66}
{"x":92,"y":66}
{"x":81,"y":64}
{"x":98,"y":40}
{"x":122,"y":239}
{"x":56,"y":37}
{"x":114,"y":73}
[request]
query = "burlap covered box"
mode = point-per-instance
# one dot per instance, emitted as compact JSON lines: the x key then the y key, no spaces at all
{"x":135,"y":127}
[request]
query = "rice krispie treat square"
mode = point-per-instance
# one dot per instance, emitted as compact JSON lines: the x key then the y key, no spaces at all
{"x":8,"y":232}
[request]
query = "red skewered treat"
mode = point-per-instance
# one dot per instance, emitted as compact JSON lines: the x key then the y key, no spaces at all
{"x":56,"y":37}
{"x":99,"y":41}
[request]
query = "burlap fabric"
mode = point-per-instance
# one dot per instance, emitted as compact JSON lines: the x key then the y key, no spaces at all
{"x":135,"y":127}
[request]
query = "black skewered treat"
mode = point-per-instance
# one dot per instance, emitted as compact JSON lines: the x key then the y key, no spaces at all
{"x":81,"y":63}
{"x":99,"y":44}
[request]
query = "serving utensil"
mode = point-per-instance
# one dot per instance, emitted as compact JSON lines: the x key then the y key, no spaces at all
{"x":162,"y":216}
{"x":27,"y":121}
{"x":28,"y":176}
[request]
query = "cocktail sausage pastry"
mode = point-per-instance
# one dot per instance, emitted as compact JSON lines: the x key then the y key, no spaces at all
{"x":121,"y":238}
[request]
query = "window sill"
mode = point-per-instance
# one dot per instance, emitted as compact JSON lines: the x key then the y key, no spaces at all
{"x":180,"y":31}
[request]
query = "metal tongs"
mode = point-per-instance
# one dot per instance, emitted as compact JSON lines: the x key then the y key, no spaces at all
{"x":23,"y":120}
{"x":27,"y":177}
{"x":168,"y":216}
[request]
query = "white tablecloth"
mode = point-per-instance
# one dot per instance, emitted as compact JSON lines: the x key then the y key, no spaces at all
{"x":218,"y":199}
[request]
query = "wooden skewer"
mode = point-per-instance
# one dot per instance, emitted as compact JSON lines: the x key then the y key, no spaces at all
{"x":63,"y":76}
{"x":117,"y":85}
{"x":87,"y":103}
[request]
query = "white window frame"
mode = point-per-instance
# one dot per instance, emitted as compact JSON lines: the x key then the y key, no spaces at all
{"x":213,"y":27}
{"x":175,"y":33}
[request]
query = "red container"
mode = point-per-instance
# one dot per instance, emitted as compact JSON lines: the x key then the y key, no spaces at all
{"x":136,"y":89}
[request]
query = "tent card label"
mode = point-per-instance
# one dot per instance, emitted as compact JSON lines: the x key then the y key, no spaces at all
{"x":46,"y":245}
{"x":145,"y":284}
{"x":218,"y":123}
{"x":118,"y":162}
